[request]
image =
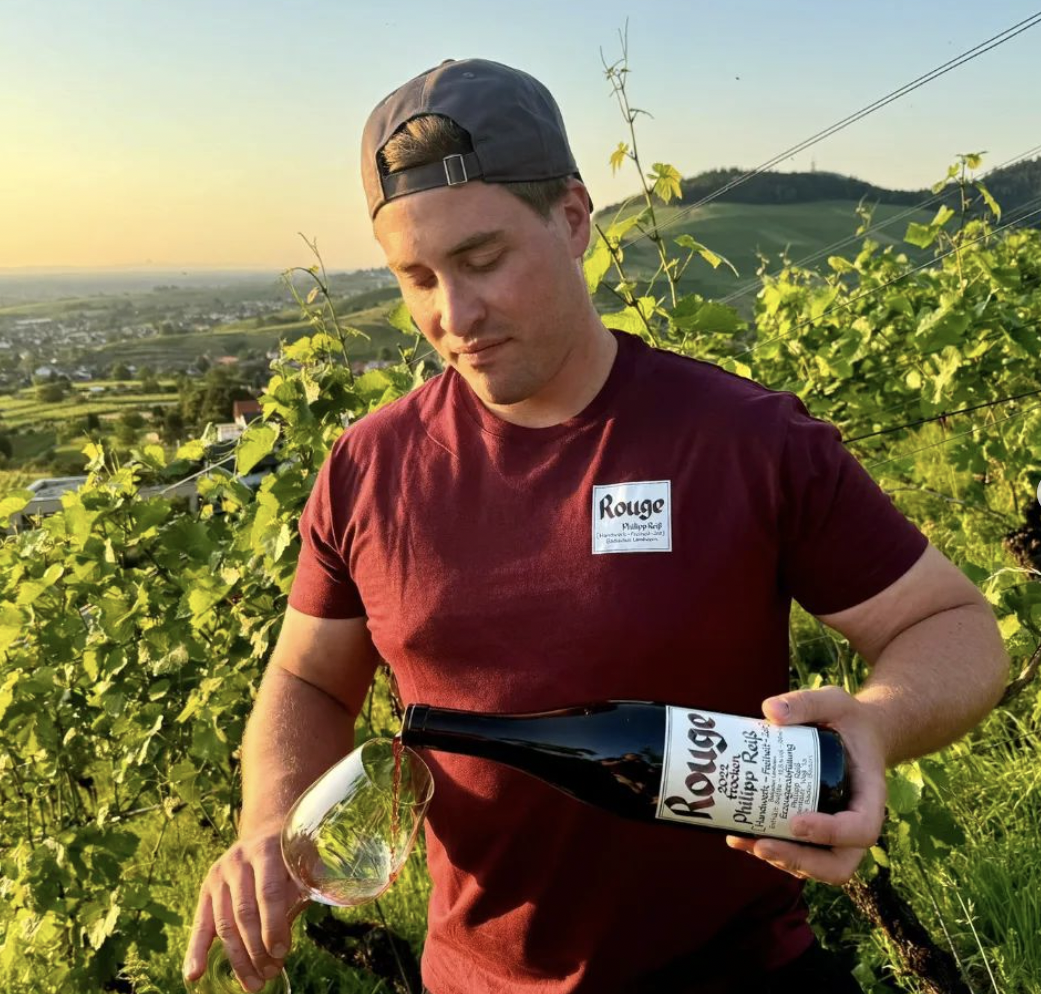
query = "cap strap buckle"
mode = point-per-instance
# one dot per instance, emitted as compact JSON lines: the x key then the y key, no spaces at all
{"x":455,"y":170}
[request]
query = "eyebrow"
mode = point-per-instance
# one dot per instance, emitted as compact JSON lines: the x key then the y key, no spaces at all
{"x":466,"y":245}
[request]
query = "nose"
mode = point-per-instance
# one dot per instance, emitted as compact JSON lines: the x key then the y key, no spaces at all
{"x":461,"y":308}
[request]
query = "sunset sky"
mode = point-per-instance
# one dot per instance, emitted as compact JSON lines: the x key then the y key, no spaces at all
{"x":198,"y":134}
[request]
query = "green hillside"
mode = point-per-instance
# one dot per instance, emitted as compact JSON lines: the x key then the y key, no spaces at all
{"x":740,"y":231}
{"x":803,"y":214}
{"x":1013,"y":186}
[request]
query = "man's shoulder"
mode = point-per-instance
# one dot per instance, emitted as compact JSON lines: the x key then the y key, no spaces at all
{"x":395,"y":423}
{"x":680,"y":382}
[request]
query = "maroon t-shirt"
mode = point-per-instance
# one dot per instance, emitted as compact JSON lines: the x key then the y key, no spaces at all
{"x":646,"y":549}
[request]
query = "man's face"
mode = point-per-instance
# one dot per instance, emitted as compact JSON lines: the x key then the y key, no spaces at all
{"x":491,"y":285}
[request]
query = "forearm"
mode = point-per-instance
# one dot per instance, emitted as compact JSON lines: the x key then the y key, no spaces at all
{"x":294,"y":734}
{"x":935,"y":681}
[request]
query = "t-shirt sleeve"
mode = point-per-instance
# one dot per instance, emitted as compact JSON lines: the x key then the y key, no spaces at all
{"x":322,"y":586}
{"x":843,"y":540}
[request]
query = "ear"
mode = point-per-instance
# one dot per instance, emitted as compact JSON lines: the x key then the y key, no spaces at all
{"x":575,"y":208}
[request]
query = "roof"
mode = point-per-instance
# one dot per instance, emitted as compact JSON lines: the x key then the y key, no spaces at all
{"x":240,"y":408}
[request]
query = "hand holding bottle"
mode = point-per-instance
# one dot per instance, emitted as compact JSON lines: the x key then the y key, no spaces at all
{"x":846,"y":834}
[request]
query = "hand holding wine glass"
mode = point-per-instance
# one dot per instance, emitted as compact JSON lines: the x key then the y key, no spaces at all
{"x":248,"y":901}
{"x":342,"y":843}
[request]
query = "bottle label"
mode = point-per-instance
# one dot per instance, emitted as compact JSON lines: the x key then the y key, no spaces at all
{"x":734,"y":773}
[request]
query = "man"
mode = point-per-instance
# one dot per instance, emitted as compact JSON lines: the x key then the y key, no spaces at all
{"x":459,"y":533}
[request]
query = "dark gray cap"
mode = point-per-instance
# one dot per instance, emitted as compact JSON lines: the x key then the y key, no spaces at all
{"x":512,"y":120}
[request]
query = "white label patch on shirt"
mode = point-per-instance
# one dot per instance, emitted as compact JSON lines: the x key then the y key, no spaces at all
{"x":632,"y":517}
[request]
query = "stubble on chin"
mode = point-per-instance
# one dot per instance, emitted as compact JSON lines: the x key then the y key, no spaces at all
{"x":499,"y":394}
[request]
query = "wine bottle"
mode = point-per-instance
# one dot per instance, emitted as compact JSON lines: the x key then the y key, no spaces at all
{"x":656,"y":762}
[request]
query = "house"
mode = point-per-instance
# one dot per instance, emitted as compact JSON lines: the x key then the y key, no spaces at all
{"x":245,"y":411}
{"x":228,"y":431}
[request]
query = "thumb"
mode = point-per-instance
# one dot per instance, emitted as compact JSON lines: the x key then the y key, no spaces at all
{"x":778,"y":709}
{"x":807,"y":707}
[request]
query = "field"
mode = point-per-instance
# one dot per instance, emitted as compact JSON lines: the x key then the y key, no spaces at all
{"x":22,"y":410}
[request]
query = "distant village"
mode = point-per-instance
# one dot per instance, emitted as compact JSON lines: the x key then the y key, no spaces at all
{"x":71,"y":341}
{"x":193,"y":355}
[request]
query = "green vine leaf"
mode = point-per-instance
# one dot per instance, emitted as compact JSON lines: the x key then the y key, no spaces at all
{"x":256,"y":442}
{"x":618,"y":157}
{"x":667,"y":182}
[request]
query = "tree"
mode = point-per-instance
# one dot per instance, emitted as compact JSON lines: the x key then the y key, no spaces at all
{"x":172,"y":427}
{"x":49,"y":393}
{"x":125,"y":433}
{"x":211,"y":398}
{"x":119,"y":371}
{"x":149,"y":381}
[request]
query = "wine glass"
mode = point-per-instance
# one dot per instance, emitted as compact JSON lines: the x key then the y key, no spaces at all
{"x":348,"y":835}
{"x":345,"y":840}
{"x":219,"y":977}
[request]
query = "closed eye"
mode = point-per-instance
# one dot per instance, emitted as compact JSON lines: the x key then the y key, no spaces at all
{"x":483,"y":267}
{"x":427,"y":282}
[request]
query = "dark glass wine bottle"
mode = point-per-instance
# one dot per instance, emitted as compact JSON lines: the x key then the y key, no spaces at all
{"x":656,"y":762}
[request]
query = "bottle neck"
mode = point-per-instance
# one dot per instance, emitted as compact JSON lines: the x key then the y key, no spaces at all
{"x":472,"y":733}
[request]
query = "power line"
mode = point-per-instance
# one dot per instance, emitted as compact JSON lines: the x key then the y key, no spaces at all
{"x":911,"y":360}
{"x":973,"y":53}
{"x":845,"y":305}
{"x":1015,"y":365}
{"x":202,"y":472}
{"x":964,"y":434}
{"x":842,"y":243}
{"x":916,"y":399}
{"x":942,"y":416}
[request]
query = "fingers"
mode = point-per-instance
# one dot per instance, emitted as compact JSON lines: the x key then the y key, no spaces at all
{"x":272,"y":885}
{"x":824,"y":705}
{"x":831,"y":866}
{"x":839,"y":842}
{"x":848,"y":829}
{"x":202,"y":936}
{"x":245,"y":904}
{"x":244,"y":901}
{"x":234,"y":948}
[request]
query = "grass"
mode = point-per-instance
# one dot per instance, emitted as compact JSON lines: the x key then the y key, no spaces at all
{"x":186,"y":854}
{"x":30,"y":445}
{"x":15,"y":479}
{"x":988,"y":891}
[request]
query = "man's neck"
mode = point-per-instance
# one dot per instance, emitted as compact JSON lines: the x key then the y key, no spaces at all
{"x":581,"y":378}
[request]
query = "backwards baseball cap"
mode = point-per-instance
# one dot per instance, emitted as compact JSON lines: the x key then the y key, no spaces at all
{"x":513,"y":122}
